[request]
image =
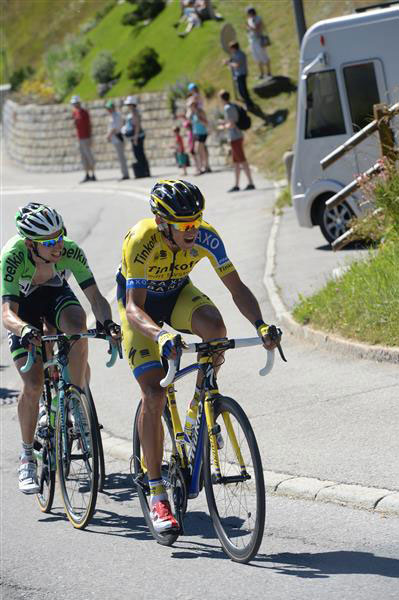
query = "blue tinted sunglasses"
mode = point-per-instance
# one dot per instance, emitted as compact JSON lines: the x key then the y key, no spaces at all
{"x":50,"y":243}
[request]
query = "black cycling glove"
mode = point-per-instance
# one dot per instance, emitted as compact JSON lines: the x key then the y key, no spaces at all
{"x":28,"y":334}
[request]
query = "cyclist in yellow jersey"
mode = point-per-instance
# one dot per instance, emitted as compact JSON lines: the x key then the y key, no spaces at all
{"x":154,"y":288}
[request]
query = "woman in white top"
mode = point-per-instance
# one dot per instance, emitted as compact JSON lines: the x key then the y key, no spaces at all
{"x":255,"y":30}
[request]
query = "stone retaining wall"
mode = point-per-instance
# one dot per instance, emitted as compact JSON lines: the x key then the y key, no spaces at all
{"x":43,"y":138}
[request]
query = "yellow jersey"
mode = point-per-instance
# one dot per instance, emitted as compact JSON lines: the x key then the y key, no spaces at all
{"x":148,"y":262}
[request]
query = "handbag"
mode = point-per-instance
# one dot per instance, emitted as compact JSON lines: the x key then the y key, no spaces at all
{"x":264,"y":40}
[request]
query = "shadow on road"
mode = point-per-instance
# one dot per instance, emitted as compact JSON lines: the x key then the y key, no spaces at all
{"x":324,"y":564}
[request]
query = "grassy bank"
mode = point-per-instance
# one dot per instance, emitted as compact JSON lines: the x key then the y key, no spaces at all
{"x":363,"y":304}
{"x":33,"y":26}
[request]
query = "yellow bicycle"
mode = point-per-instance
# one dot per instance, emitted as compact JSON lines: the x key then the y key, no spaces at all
{"x":220,"y":455}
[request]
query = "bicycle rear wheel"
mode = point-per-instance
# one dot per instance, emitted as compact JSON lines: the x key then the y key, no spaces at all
{"x":77,"y":458}
{"x":236,"y":500}
{"x":101,"y":460}
{"x":172,"y":477}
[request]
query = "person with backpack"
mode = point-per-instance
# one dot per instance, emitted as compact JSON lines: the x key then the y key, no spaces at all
{"x":238,"y":65}
{"x":231,"y":124}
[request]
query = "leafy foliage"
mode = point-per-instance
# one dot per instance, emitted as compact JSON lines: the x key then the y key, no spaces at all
{"x":19,"y":76}
{"x":143,"y":10}
{"x":103,"y":66}
{"x":144,"y":66}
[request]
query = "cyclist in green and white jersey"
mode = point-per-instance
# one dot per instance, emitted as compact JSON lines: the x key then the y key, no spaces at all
{"x":35,"y":265}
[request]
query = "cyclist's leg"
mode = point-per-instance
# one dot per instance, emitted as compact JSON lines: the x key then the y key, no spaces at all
{"x":28,"y":400}
{"x":195,"y":312}
{"x":66,"y":313}
{"x":143,"y":356}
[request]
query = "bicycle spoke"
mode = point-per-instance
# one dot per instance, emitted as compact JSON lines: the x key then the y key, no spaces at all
{"x":77,"y":460}
{"x":237,"y":506}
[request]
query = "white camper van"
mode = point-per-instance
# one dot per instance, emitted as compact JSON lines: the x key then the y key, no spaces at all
{"x":347,"y":65}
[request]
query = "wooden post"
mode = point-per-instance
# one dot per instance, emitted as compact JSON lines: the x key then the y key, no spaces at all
{"x":387,"y":143}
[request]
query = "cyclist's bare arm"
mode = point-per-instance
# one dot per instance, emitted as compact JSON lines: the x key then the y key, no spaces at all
{"x":246,"y":302}
{"x":141,"y":321}
{"x":136,"y":315}
{"x":101,"y":308}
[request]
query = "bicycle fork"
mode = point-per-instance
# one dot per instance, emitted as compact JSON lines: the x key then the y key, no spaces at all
{"x":211,"y":393}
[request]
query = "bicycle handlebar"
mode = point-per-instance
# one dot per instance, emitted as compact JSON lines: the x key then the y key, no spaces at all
{"x":233,"y":343}
{"x":114,"y":349}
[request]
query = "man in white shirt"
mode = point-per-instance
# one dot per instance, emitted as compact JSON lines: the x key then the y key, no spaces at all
{"x":114,"y":135}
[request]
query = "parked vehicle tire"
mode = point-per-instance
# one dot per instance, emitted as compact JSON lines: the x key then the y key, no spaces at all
{"x":333,"y":222}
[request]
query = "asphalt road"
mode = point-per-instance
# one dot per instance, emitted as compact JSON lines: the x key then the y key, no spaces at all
{"x":320,"y":415}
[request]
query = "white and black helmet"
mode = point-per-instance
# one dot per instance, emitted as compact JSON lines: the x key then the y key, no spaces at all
{"x":36,"y":221}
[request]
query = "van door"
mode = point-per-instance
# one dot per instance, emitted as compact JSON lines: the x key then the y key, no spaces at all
{"x":323,"y":129}
{"x":365,"y":85}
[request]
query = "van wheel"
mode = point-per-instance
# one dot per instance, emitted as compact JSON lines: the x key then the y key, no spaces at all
{"x":333,"y":222}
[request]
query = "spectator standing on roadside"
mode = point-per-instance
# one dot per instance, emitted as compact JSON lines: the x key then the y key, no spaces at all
{"x":255,"y":28}
{"x":181,"y":156}
{"x":194,"y":92}
{"x":115,"y":137}
{"x":133,"y":130}
{"x":200,"y":131}
{"x":82,"y":122}
{"x":236,"y":139}
{"x":238,"y":63}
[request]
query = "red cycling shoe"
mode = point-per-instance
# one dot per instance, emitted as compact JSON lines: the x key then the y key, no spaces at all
{"x":162,"y":517}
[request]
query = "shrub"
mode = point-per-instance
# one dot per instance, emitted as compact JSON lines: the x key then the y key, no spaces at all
{"x":66,"y":76}
{"x":143,"y":10}
{"x":144,"y":66}
{"x":37,"y":91}
{"x":209,"y":90}
{"x":63,"y":64}
{"x":177,"y":91}
{"x":102,"y":69}
{"x":19,"y":76}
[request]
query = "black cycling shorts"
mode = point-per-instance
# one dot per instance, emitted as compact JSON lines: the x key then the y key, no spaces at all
{"x":46,"y":302}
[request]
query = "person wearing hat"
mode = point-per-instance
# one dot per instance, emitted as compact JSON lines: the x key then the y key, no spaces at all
{"x":115,"y":137}
{"x":82,"y":122}
{"x":133,"y":130}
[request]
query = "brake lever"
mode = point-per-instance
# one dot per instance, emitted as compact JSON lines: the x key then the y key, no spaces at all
{"x":275,"y":334}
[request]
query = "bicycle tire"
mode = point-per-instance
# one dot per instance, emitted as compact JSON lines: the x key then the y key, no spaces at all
{"x":101,"y":460}
{"x":143,"y":492}
{"x":78,"y":468}
{"x":239,"y":532}
{"x":45,"y":474}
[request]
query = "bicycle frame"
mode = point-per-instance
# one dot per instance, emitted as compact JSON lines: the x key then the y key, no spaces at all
{"x":60,"y":361}
{"x":205,"y":417}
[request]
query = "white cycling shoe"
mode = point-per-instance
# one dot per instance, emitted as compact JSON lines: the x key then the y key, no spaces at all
{"x":28,"y":483}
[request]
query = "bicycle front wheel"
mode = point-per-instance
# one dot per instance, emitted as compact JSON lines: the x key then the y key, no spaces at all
{"x":171,"y":475}
{"x":236,"y":498}
{"x":101,"y":460}
{"x":45,"y":473}
{"x":77,"y":458}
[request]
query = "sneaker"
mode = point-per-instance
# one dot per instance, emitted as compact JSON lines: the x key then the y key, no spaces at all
{"x":124,"y":177}
{"x":28,"y":483}
{"x":93,"y":178}
{"x":162,"y":518}
{"x":235,"y":188}
{"x":87,"y":178}
{"x":250,"y":186}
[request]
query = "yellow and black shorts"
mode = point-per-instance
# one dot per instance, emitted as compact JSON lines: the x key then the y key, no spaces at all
{"x":175,"y":309}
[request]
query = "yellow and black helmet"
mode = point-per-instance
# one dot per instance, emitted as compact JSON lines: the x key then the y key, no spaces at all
{"x":176,"y":200}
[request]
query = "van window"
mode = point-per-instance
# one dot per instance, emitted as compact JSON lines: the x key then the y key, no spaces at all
{"x":323,"y":105}
{"x":362,"y":90}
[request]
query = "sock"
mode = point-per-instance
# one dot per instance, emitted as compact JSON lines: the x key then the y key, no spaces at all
{"x":27,"y":452}
{"x":157,"y":491}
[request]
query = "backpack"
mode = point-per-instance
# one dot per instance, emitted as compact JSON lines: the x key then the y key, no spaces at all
{"x":244,"y":120}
